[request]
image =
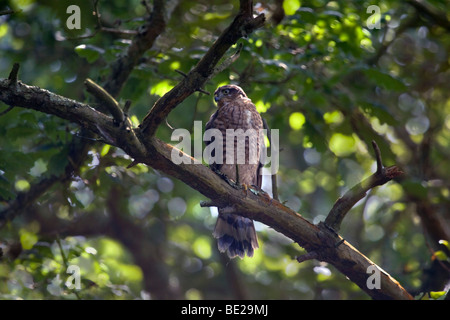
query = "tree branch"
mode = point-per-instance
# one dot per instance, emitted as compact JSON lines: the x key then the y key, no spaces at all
{"x":13,"y":74}
{"x":106,"y":99}
{"x":351,"y":197}
{"x":45,"y":101}
{"x":121,"y":69}
{"x":113,"y":85}
{"x":319,"y":240}
{"x":242,"y":25}
{"x":24,"y":199}
{"x":429,"y":11}
{"x":7,"y":12}
{"x":146,"y":36}
{"x":157,"y":154}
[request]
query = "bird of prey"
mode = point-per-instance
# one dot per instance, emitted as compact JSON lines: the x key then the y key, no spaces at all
{"x":236,"y":234}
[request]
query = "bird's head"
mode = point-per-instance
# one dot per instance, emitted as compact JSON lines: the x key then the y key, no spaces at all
{"x":229,"y":92}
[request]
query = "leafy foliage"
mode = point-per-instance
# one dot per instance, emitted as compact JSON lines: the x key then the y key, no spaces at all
{"x":330,"y":85}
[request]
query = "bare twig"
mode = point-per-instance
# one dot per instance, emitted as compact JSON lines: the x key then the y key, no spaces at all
{"x":65,"y":262}
{"x":6,"y":111}
{"x":14,"y":74}
{"x":227,"y":62}
{"x":126,"y":107}
{"x":25,"y":199}
{"x":120,"y":32}
{"x":181,"y":72}
{"x":127,"y":34}
{"x":378,"y":157}
{"x":100,"y":28}
{"x":105,"y":99}
{"x":6,"y":12}
{"x":308,"y":256}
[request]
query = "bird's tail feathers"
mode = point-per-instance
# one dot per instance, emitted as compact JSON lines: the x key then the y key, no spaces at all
{"x":236,"y":235}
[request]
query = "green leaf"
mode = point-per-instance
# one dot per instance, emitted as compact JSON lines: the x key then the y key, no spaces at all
{"x":105,"y":150}
{"x":291,"y":6}
{"x":440,"y":255}
{"x":379,"y":111}
{"x":307,"y":15}
{"x":385,"y":80}
{"x":316,"y":137}
{"x":445,"y":243}
{"x":14,"y":162}
{"x":27,"y":239}
{"x":5,"y":189}
{"x":58,"y":162}
{"x":297,"y":120}
{"x":202,"y":247}
{"x":89,"y":52}
{"x":415,"y":188}
{"x":161,"y":88}
{"x":342,"y":145}
{"x":437,"y":295}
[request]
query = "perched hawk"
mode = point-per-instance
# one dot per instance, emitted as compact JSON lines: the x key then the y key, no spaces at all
{"x":236,"y":234}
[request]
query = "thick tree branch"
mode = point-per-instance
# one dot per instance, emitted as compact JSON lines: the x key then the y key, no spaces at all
{"x":242,"y":25}
{"x":121,"y":69}
{"x":260,"y":207}
{"x":45,"y":101}
{"x":319,"y":240}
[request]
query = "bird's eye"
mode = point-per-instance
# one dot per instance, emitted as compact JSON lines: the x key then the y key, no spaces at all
{"x":226,"y":91}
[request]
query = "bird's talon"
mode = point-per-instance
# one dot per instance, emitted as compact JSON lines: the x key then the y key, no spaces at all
{"x":245,"y":187}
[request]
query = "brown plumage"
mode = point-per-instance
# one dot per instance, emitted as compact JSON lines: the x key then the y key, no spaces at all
{"x":236,"y":234}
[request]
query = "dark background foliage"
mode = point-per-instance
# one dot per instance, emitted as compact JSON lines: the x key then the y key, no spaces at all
{"x":330,"y":85}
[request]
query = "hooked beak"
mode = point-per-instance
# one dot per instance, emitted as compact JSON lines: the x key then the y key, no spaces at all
{"x":216,"y":98}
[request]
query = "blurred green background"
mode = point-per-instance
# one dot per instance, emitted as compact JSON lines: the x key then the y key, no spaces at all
{"x":318,"y":73}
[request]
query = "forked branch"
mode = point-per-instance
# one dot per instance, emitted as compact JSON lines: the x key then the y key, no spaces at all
{"x":351,"y":197}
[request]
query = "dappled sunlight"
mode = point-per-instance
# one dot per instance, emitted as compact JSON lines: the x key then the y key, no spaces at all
{"x":330,"y":77}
